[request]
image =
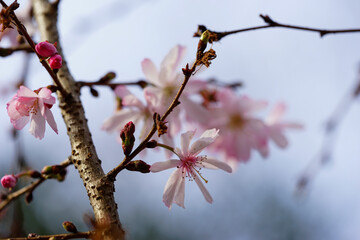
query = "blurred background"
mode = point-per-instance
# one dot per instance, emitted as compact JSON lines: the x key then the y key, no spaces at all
{"x":258,"y":201}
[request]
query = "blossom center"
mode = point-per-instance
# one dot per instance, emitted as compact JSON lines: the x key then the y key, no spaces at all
{"x":190,"y":165}
{"x":236,"y":121}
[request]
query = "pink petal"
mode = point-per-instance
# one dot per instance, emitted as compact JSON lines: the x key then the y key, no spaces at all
{"x":20,"y":122}
{"x":180,"y":193}
{"x":243,"y":148}
{"x":173,"y":58}
{"x":45,"y":94}
{"x":50,"y":120}
{"x":172,"y":186}
{"x":218,"y":164}
{"x":26,"y":92}
{"x":204,"y":191}
{"x":119,"y":119}
{"x":150,"y":71}
{"x":195,"y":112}
{"x":41,"y":106}
{"x":276,"y":113}
{"x":205,"y":140}
{"x":37,"y":126}
{"x":185,"y":141}
{"x":161,"y":166}
{"x":279,"y":139}
{"x":122,"y":91}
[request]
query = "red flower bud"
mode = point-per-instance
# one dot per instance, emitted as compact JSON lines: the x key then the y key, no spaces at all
{"x":55,"y":61}
{"x":8,"y":181}
{"x":45,"y":49}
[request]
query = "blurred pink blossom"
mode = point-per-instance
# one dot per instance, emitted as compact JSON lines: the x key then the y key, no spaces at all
{"x":132,"y":110}
{"x":189,"y":166}
{"x":165,"y":83}
{"x":8,"y":181}
{"x":33,"y":106}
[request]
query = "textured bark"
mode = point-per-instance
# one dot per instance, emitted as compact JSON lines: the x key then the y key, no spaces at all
{"x":100,"y":190}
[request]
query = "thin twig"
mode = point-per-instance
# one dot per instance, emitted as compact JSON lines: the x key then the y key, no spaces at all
{"x":86,"y":235}
{"x":270,"y":23}
{"x":333,"y":123}
{"x":112,"y":174}
{"x":29,"y":188}
{"x":140,"y":83}
{"x":4,"y":52}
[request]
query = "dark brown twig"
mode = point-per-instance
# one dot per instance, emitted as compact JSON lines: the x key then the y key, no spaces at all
{"x":187,"y":74}
{"x":4,"y":52}
{"x":29,"y":188}
{"x":86,"y":235}
{"x":270,"y":23}
{"x":140,"y":83}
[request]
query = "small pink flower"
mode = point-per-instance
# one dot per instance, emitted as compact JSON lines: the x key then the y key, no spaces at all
{"x":189,"y":166}
{"x":45,"y":49}
{"x":8,"y":181}
{"x":33,"y":106}
{"x":55,"y":61}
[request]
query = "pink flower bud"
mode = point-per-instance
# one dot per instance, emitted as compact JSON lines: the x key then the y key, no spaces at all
{"x":45,"y":49}
{"x":8,"y":181}
{"x":55,"y":61}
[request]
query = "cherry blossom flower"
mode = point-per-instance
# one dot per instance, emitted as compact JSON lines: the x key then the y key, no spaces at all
{"x":33,"y":106}
{"x":8,"y":181}
{"x":189,"y":165}
{"x":241,"y":129}
{"x":164,"y":85}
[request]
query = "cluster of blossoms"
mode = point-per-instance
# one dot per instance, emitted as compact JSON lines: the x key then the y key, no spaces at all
{"x":221,"y":110}
{"x":241,"y":130}
{"x":34,"y":106}
{"x":235,"y":116}
{"x":49,"y":51}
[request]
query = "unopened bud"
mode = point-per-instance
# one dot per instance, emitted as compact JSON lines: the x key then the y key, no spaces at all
{"x":45,"y":49}
{"x":46,"y":170}
{"x":139,"y":166}
{"x":55,"y":61}
{"x":94,"y":92}
{"x":107,"y":78}
{"x":28,"y":197}
{"x":69,"y":226}
{"x":127,"y":137}
{"x":8,"y":181}
{"x":151,"y":144}
{"x":202,"y":43}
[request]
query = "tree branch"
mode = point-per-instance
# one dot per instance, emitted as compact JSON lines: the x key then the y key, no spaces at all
{"x":85,"y":159}
{"x":32,"y":236}
{"x":28,"y":189}
{"x":270,"y":23}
